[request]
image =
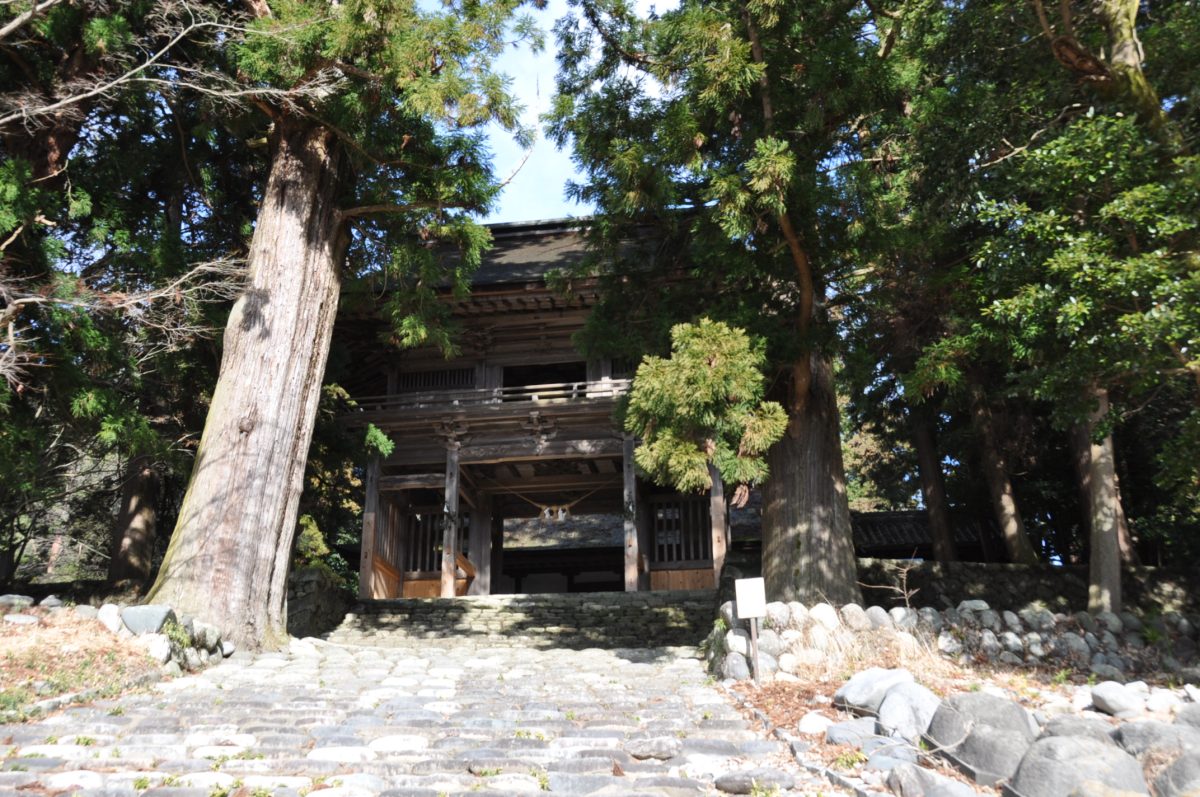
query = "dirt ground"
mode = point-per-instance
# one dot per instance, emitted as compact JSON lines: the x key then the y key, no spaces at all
{"x":64,"y":654}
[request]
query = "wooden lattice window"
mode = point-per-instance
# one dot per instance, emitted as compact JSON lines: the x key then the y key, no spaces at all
{"x":423,"y":545}
{"x":681,"y":533}
{"x":431,"y":381}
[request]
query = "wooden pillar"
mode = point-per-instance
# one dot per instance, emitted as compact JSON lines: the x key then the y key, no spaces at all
{"x":366,"y":561}
{"x":481,"y":545}
{"x":645,"y":530}
{"x":630,"y":513}
{"x":719,"y":521}
{"x":450,"y":520}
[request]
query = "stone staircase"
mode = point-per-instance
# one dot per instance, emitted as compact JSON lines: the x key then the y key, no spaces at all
{"x":573,"y":621}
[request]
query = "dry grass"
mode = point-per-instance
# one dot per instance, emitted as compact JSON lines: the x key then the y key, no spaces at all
{"x":63,"y":654}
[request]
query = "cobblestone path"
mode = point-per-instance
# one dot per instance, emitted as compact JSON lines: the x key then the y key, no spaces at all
{"x":423,"y":718}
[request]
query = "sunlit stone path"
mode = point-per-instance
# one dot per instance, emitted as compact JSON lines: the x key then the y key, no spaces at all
{"x":420,"y":717}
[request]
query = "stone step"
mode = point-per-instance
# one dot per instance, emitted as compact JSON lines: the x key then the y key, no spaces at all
{"x":575,"y":621}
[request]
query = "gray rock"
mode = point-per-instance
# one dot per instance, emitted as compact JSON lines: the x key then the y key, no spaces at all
{"x":865,"y":691}
{"x":768,"y":665}
{"x":1071,"y":725}
{"x":826,"y":615}
{"x":737,"y":641}
{"x":1163,"y":700}
{"x":110,"y":615}
{"x":15,"y":601}
{"x":1107,"y":671}
{"x":879,"y":617}
{"x":973,"y":606}
{"x":157,"y":646}
{"x":1139,"y":738}
{"x":728,"y":615}
{"x":86,"y":612}
{"x":148,"y":619}
{"x":1011,"y":621}
{"x":1075,"y":649}
{"x":931,"y":617}
{"x":986,"y":733}
{"x":735,"y":667}
{"x":227,"y":648}
{"x":50,"y":602}
{"x":778,"y":616}
{"x":797,"y":615}
{"x":852,"y":732}
{"x":854,"y":618}
{"x":659,"y":747}
{"x":990,"y":620}
{"x":988,"y":644}
{"x":1130,"y":621}
{"x":770,"y":643}
{"x":20,"y":619}
{"x":1109,"y":622}
{"x":1037,"y":619}
{"x":192,"y":660}
{"x":206,"y":636}
{"x":1059,"y":765}
{"x":813,"y":723}
{"x":1010,"y":658}
{"x":1117,"y":699}
{"x":906,"y":711}
{"x":1189,"y":715}
{"x":910,"y":780}
{"x":904,"y":618}
{"x":949,"y":644}
{"x":1181,"y":779}
{"x":747,"y":781}
{"x":1012,"y":643}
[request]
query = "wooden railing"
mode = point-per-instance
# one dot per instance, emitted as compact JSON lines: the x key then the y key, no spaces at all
{"x":532,"y":394}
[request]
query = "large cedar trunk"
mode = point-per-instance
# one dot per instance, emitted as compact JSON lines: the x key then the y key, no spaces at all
{"x":933,"y":485}
{"x":228,"y":558}
{"x":132,"y":553}
{"x":808,"y":548}
{"x":995,"y":472}
{"x":1104,"y":515}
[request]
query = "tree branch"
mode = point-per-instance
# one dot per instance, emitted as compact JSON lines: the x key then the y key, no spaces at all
{"x":21,"y":19}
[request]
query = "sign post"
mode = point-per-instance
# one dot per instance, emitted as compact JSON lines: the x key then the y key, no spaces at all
{"x":750,"y":599}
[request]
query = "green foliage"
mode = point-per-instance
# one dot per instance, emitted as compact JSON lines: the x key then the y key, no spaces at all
{"x":704,"y":405}
{"x":310,"y":544}
{"x":377,"y":442}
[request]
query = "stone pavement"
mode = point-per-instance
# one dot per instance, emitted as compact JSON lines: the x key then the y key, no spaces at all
{"x":422,"y":717}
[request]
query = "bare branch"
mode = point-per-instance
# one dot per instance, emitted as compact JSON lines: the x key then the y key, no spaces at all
{"x":20,"y":19}
{"x":167,"y":310}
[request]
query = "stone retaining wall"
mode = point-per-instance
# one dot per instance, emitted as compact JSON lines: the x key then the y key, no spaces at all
{"x":1147,"y":590}
{"x":316,"y":602}
{"x":578,"y":620}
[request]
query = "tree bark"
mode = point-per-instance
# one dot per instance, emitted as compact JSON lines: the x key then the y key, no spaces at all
{"x":1004,"y":502}
{"x":1104,"y":560}
{"x":134,"y":530}
{"x":228,"y":558}
{"x":808,"y":548}
{"x":933,"y":485}
{"x":1081,"y":456}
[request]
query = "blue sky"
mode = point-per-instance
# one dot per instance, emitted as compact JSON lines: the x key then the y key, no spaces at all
{"x":536,"y":191}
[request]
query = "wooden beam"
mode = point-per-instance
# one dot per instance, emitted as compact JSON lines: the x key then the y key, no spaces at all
{"x":411,"y":481}
{"x":629,"y":479}
{"x":516,"y":451}
{"x":564,"y":481}
{"x":720,"y":531}
{"x":366,"y":563}
{"x":450,"y":520}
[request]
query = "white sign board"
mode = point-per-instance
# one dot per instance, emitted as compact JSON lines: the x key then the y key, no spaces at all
{"x":750,"y":594}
